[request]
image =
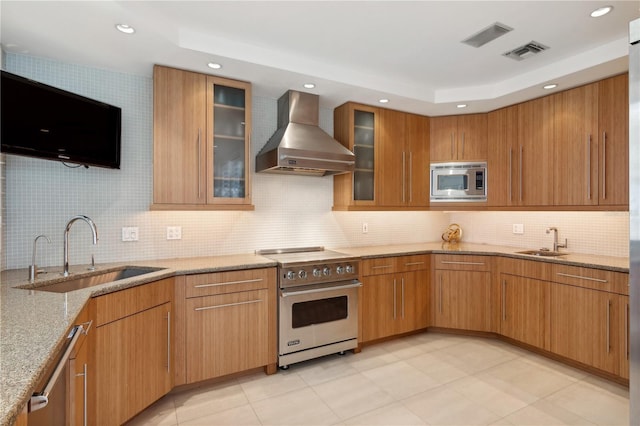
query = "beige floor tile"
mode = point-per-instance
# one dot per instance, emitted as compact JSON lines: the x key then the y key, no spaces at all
{"x":238,"y":416}
{"x":402,"y":348}
{"x":391,"y":415}
{"x":301,"y":407}
{"x":499,"y":401}
{"x":370,"y":357}
{"x":263,"y":386}
{"x":352,"y":395}
{"x":444,"y":406}
{"x":400,"y":379}
{"x":593,"y":402}
{"x":544,"y":413}
{"x":201,"y":402}
{"x":323,"y":369}
{"x":475,"y":356}
{"x":435,"y":367}
{"x":434,"y":341}
{"x":162,"y":413}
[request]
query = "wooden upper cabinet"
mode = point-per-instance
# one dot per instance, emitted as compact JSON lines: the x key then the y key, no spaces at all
{"x":504,"y":171}
{"x":459,"y":138}
{"x":575,"y":160}
{"x":416,"y":160}
{"x":534,"y":153}
{"x":392,"y":167}
{"x":356,"y":127}
{"x":202,"y":129}
{"x":613,"y":137}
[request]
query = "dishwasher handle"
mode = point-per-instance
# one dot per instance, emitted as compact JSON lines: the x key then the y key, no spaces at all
{"x":40,"y":400}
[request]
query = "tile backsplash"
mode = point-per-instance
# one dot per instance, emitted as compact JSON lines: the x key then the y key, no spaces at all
{"x":290,"y":211}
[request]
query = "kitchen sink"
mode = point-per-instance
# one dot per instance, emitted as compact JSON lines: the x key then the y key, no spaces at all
{"x":87,"y":281}
{"x":544,"y":253}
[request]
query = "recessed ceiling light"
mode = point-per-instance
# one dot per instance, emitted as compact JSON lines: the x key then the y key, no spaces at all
{"x":309,"y":85}
{"x":383,"y":101}
{"x":550,"y":86}
{"x":214,"y":65}
{"x":601,"y":11}
{"x":461,"y":106}
{"x":124,"y":28}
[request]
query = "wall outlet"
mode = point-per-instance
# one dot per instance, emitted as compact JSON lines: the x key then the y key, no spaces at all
{"x":130,"y":233}
{"x":174,"y":232}
{"x":365,"y":228}
{"x":518,"y":228}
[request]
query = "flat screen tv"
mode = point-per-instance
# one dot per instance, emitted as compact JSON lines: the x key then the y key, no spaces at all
{"x":38,"y":120}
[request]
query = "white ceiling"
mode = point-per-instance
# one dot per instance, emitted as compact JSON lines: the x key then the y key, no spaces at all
{"x":408,"y":52}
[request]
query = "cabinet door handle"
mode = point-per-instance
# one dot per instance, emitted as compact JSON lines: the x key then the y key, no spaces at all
{"x":626,"y":331}
{"x":413,"y":263}
{"x":402,"y":298}
{"x":604,"y":165}
{"x":440,"y":297}
{"x":504,"y":303}
{"x":199,"y":161}
{"x":451,"y":262}
{"x":410,"y":176}
{"x":588,"y":167}
{"x":562,"y":274}
{"x":608,"y":326}
{"x":510,"y":174}
{"x":404,"y":176}
{"x":520,"y":178}
{"x":394,"y":299}
{"x":382,"y":267}
{"x":168,"y":341}
{"x":226,"y":305}
{"x":255,"y":280}
{"x":84,"y":393}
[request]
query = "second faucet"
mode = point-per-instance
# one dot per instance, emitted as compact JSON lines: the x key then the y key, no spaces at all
{"x":556,"y":245}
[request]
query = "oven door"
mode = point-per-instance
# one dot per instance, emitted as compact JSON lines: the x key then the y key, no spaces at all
{"x":317,"y":315}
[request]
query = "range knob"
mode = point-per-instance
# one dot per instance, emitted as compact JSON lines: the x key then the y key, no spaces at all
{"x":317,"y":272}
{"x":302,"y":274}
{"x":326,"y":271}
{"x":291,"y":275}
{"x":340,"y":270}
{"x":349,"y":269}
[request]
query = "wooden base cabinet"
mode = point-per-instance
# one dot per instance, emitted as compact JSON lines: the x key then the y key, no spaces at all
{"x":393,"y":301}
{"x":226,"y":324}
{"x":461,"y":292}
{"x":524,"y":310}
{"x":132,"y":359}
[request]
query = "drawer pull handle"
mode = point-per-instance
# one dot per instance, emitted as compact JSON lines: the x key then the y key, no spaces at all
{"x":256,"y":280}
{"x":562,"y":274}
{"x":450,"y":262}
{"x":381,"y":267}
{"x":228,"y":304}
{"x":413,"y":263}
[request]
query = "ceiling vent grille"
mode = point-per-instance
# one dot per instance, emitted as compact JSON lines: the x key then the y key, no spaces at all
{"x":526,"y":51}
{"x":488,"y":34}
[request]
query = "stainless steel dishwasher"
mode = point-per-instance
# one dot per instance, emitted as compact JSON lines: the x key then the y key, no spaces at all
{"x":54,"y":402}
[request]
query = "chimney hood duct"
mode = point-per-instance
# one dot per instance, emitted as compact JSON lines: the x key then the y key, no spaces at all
{"x":299,"y":146}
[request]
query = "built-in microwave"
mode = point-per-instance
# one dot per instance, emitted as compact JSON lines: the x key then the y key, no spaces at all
{"x":458,"y":182}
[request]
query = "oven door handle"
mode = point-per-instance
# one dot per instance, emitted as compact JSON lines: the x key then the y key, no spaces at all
{"x":321,"y":290}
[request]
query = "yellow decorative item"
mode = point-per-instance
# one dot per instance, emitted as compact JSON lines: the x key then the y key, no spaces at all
{"x":453,"y":233}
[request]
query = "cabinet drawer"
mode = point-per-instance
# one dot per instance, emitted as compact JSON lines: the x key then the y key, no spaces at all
{"x":378,"y":266}
{"x":526,"y":268}
{"x":463,"y":262}
{"x":416,"y":262}
{"x":120,"y":304}
{"x":228,"y":282}
{"x":597,"y":279}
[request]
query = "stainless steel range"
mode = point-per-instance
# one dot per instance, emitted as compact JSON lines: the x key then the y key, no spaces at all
{"x":317,"y":303}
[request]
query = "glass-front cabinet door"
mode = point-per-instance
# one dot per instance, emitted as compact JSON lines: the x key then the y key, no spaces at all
{"x":364,"y":149}
{"x":229,"y":124}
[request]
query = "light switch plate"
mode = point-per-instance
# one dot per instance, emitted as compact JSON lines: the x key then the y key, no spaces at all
{"x":130,"y":233}
{"x":518,"y":228}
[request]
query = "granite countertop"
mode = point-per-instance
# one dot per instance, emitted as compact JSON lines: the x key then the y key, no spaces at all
{"x":33,"y":324}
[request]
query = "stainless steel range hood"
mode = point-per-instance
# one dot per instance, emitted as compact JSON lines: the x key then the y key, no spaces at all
{"x":299,"y":146}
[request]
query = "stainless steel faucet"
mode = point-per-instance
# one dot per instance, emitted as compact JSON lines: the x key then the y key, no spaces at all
{"x":556,"y":246}
{"x":65,"y":272}
{"x":33,"y":269}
